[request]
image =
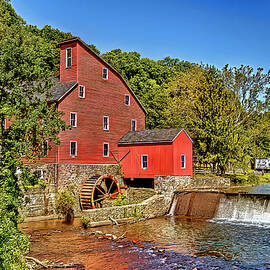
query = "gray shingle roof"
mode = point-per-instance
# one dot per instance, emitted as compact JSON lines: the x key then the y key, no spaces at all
{"x":59,"y":90}
{"x":150,"y":136}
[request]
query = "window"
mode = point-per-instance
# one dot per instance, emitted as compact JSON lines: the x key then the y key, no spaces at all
{"x":73,"y":119}
{"x":73,"y":148}
{"x":133,"y":125}
{"x":105,"y":74}
{"x":183,"y":161}
{"x":105,"y":123}
{"x":45,"y":149}
{"x":5,"y":124}
{"x":144,"y":162}
{"x":81,"y":91}
{"x":127,"y":100}
{"x":68,"y":58}
{"x":105,"y":149}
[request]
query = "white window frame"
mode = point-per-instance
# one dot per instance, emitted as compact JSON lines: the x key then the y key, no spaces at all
{"x":79,"y":92}
{"x":76,"y":148}
{"x":108,"y":149}
{"x":183,"y":155}
{"x":75,"y":119}
{"x":108,"y":123}
{"x":144,"y":168}
{"x":128,"y":100}
{"x":107,"y":74}
{"x":67,"y":49}
{"x":132,"y":121}
{"x":47,"y":148}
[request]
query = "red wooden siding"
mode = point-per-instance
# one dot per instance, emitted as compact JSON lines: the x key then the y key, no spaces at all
{"x":163,"y":158}
{"x":102,"y":98}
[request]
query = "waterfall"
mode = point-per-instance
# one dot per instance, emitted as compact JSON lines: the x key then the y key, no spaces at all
{"x":247,"y":208}
{"x":173,"y":206}
{"x":222,"y":207}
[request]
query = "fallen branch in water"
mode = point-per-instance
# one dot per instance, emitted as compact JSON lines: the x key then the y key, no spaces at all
{"x":35,"y":261}
{"x":114,"y":221}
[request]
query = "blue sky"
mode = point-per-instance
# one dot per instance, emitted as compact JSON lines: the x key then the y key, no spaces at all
{"x":209,"y":31}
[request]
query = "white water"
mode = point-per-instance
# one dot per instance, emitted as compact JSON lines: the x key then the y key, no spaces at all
{"x":173,"y":206}
{"x":251,"y":209}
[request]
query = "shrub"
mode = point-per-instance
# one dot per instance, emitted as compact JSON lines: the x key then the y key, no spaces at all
{"x":85,"y":221}
{"x":65,"y":204}
{"x":120,"y":200}
{"x":253,"y":179}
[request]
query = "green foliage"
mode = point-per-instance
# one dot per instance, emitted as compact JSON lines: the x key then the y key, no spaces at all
{"x":149,"y":80}
{"x":65,"y":204}
{"x":85,"y":221}
{"x":25,"y":64}
{"x":120,"y":200}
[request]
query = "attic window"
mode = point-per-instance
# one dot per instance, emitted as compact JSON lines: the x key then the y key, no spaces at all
{"x":68,"y":58}
{"x":127,"y":100}
{"x":82,"y":91}
{"x":105,"y":74}
{"x":133,"y":125}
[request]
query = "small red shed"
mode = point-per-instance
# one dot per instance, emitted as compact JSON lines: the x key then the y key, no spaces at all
{"x":148,"y":153}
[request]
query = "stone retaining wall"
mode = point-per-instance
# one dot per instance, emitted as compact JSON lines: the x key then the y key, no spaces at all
{"x":138,"y":195}
{"x":153,"y":207}
{"x":39,"y":202}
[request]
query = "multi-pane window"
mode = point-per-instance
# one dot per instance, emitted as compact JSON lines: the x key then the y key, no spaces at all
{"x":82,"y":91}
{"x":105,"y":123}
{"x":144,"y":162}
{"x":73,"y":119}
{"x":183,"y":161}
{"x":73,"y":148}
{"x":127,"y":100}
{"x":45,"y":149}
{"x":133,"y":125}
{"x":68,"y":58}
{"x":105,"y":74}
{"x":105,"y":149}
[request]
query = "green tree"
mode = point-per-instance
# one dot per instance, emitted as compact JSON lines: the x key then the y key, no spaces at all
{"x":202,"y":105}
{"x":149,"y":80}
{"x":23,"y":92}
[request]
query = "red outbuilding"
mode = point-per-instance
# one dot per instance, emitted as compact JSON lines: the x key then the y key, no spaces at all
{"x":148,"y":153}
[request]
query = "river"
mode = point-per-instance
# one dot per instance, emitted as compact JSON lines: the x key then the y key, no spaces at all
{"x":161,"y":243}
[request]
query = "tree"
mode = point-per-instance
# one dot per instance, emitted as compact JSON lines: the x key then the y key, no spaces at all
{"x":23,"y":92}
{"x":202,"y":105}
{"x":147,"y":78}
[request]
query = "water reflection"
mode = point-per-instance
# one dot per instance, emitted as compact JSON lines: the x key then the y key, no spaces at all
{"x":261,"y":189}
{"x":219,"y":246}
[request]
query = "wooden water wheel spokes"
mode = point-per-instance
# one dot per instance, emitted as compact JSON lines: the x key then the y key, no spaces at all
{"x":105,"y":188}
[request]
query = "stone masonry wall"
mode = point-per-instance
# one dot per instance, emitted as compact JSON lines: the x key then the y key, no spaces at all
{"x":138,"y":195}
{"x":169,"y":184}
{"x":39,"y":202}
{"x":152,"y":207}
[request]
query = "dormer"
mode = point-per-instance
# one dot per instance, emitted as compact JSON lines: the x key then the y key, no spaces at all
{"x":69,"y":60}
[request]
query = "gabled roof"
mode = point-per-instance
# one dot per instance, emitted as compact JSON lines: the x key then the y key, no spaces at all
{"x":59,"y":90}
{"x":151,"y":136}
{"x":104,"y":62}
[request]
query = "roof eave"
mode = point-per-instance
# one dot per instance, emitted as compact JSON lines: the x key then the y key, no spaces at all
{"x":99,"y":57}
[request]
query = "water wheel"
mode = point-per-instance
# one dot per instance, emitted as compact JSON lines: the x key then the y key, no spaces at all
{"x":98,"y":191}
